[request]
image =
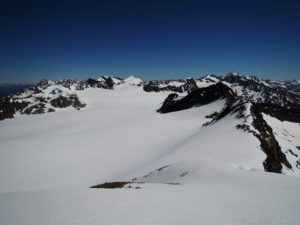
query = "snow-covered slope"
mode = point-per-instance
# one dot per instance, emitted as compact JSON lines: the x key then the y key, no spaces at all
{"x":133,"y":80}
{"x":250,"y":111}
{"x":121,"y":129}
{"x":255,"y":200}
{"x":192,"y":166}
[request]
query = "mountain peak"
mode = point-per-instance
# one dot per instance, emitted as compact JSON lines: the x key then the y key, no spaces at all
{"x":44,"y":83}
{"x":233,"y":73}
{"x":133,"y":80}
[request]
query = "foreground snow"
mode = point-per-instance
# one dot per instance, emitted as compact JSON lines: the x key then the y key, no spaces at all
{"x":242,"y":202}
{"x":47,"y":163}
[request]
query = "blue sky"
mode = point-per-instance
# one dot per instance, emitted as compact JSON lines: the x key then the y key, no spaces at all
{"x":150,"y":39}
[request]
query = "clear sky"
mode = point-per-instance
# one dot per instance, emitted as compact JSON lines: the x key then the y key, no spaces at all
{"x":151,"y":39}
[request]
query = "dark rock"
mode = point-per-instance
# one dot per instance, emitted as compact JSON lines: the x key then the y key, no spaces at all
{"x":109,"y":82}
{"x":244,"y":127}
{"x":56,"y":91}
{"x":298,"y":164}
{"x":35,"y":109}
{"x":285,"y":113}
{"x":44,"y":84}
{"x":199,"y":96}
{"x":8,"y":108}
{"x":213,"y":115}
{"x":63,"y":102}
{"x":40,"y":99}
{"x":51,"y":110}
{"x":268,"y":143}
{"x":111,"y":185}
{"x":292,"y":153}
{"x":151,"y":87}
{"x":92,"y":82}
{"x":155,"y":171}
{"x":183,"y":174}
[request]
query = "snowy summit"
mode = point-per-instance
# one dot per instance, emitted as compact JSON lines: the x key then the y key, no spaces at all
{"x":133,"y":80}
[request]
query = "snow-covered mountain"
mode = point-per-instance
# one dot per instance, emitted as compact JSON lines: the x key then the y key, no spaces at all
{"x":186,"y":150}
{"x":293,"y":85}
{"x":280,"y":99}
{"x":251,"y":111}
{"x":246,"y":97}
{"x":50,"y":96}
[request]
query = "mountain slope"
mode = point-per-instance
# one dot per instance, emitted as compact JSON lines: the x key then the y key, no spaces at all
{"x":243,"y":107}
{"x":194,"y":163}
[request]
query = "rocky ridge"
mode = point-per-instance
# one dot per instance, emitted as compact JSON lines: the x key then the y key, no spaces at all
{"x":241,"y":98}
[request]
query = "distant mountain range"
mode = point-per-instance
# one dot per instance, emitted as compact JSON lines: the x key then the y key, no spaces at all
{"x":278,"y":98}
{"x":247,"y":98}
{"x":8,"y":89}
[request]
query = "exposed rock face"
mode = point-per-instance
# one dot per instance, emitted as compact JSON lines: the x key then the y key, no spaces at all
{"x":39,"y":108}
{"x":275,"y":157}
{"x":8,"y":108}
{"x":105,"y":83}
{"x":63,"y":102}
{"x":288,"y":113}
{"x":199,"y":96}
{"x":111,"y":185}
